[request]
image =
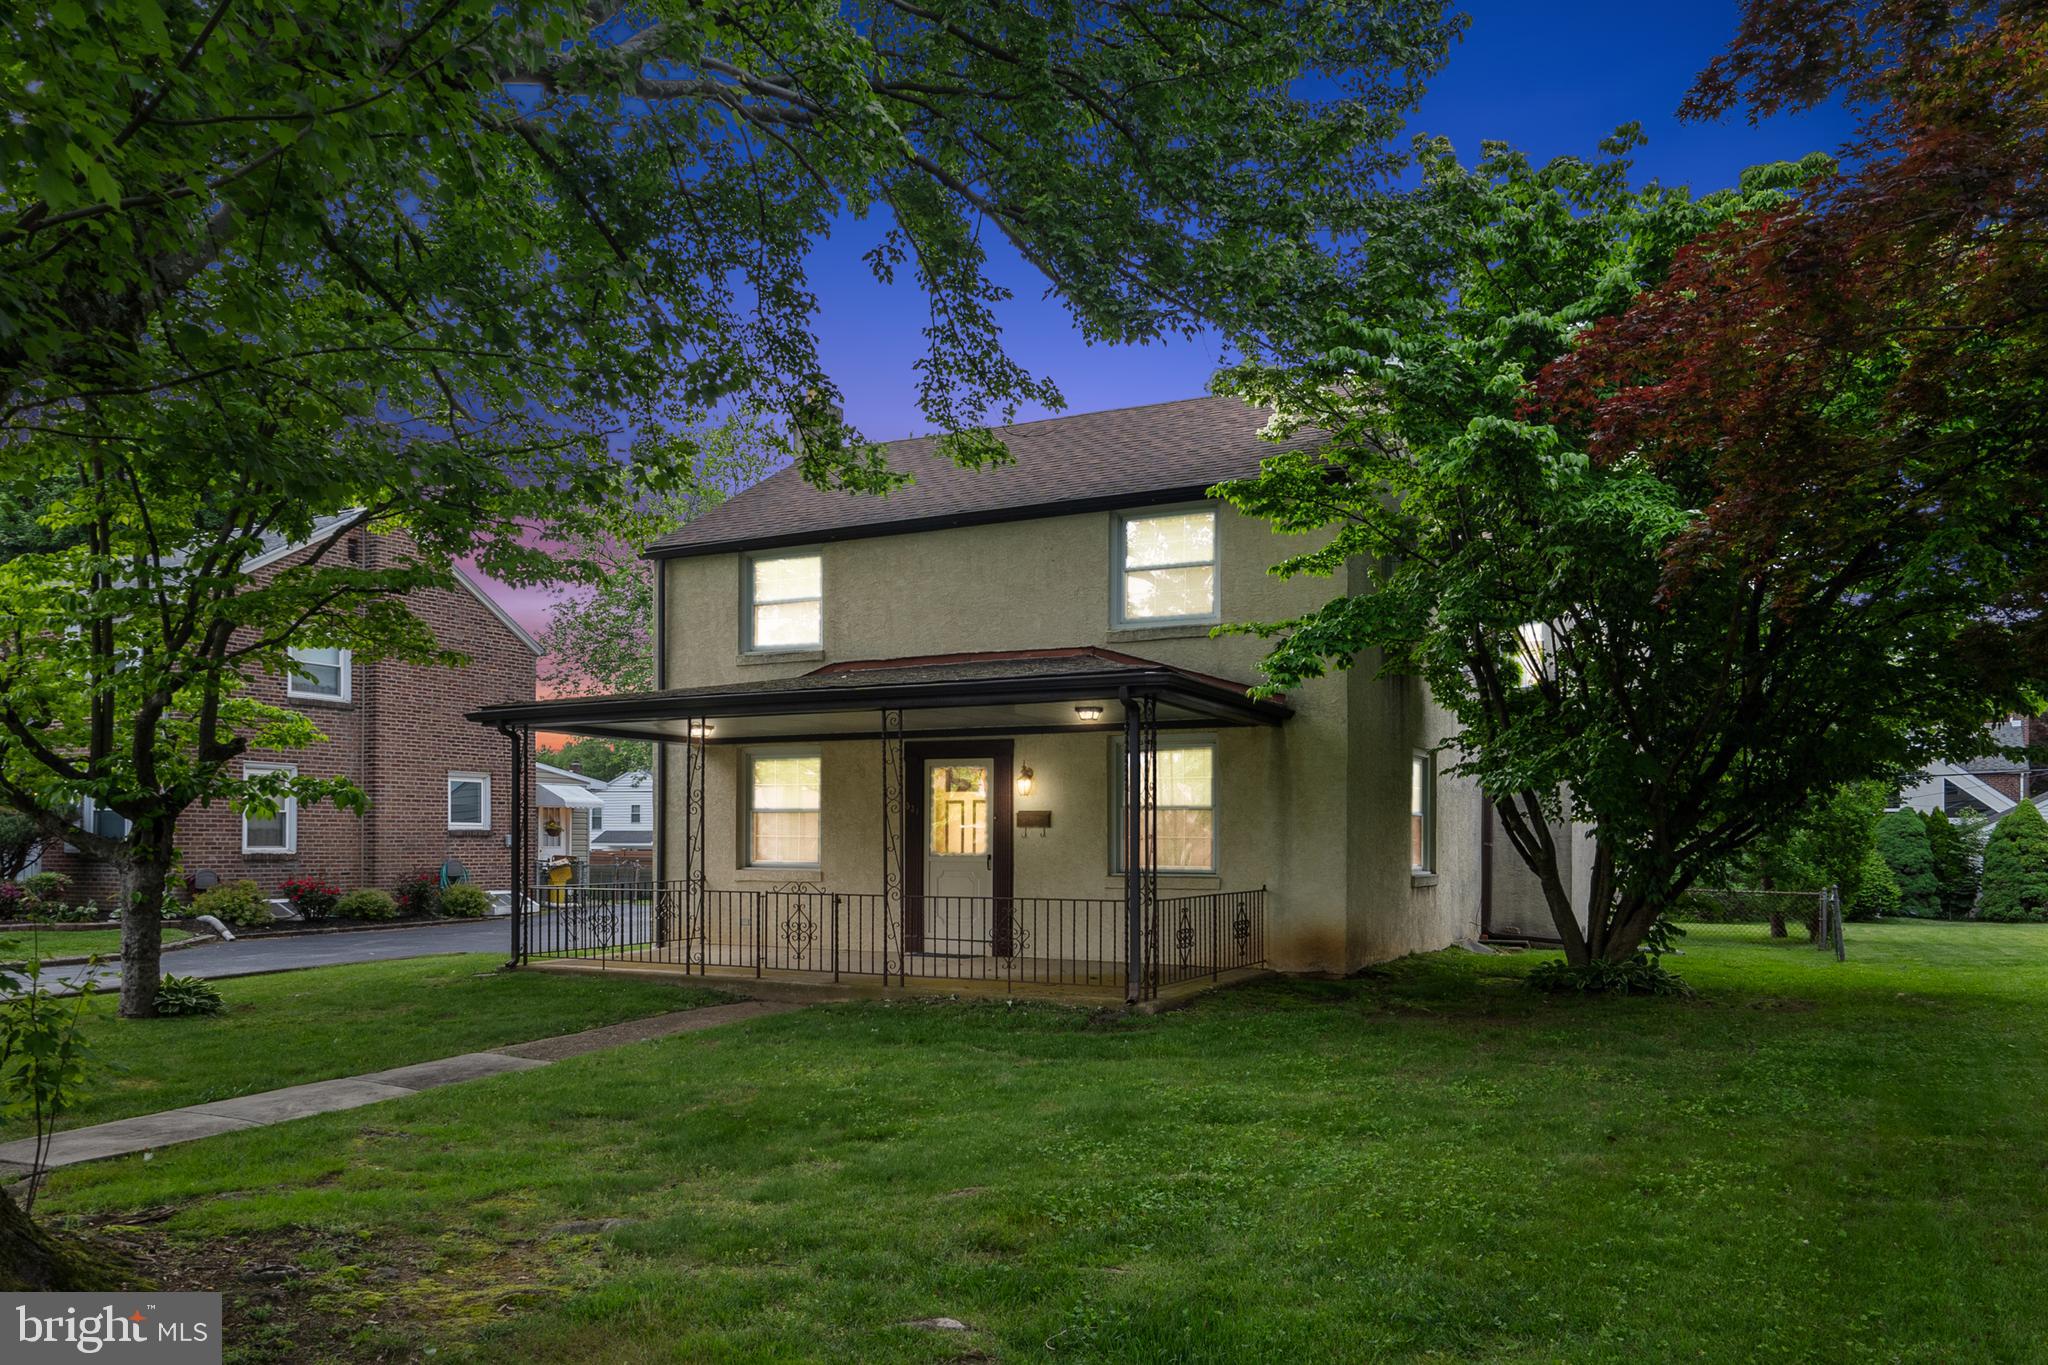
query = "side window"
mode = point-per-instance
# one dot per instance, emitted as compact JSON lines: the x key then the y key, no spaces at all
{"x":469,"y":800}
{"x":1422,"y":813}
{"x":320,"y":672}
{"x":277,"y":832}
{"x":1166,"y":567}
{"x":785,"y":602}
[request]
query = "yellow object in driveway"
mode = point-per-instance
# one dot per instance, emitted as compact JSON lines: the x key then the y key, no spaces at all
{"x":561,"y":871}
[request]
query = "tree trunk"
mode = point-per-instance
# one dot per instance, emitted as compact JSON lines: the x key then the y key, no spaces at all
{"x":32,"y":1259}
{"x":142,"y":925}
{"x":1778,"y":924}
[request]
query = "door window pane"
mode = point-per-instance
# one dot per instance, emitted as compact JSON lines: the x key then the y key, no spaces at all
{"x":783,"y":801}
{"x":959,"y":809}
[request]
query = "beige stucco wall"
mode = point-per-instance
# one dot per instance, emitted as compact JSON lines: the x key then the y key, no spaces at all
{"x":1316,"y":809}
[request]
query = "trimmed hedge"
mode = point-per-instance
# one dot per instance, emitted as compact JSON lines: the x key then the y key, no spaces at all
{"x":368,"y":903}
{"x":465,"y":901}
{"x":239,"y":905}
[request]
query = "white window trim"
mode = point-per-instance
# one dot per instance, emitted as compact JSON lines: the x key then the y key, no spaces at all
{"x":292,"y":681}
{"x":747,"y":757}
{"x":747,"y":603}
{"x":289,"y":809}
{"x":597,"y":819}
{"x":1117,"y":548}
{"x":484,"y":779}
{"x":1428,"y":762}
{"x":1117,"y":771}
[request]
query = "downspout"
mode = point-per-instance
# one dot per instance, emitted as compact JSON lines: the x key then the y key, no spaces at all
{"x":519,"y":823}
{"x":1486,"y":818}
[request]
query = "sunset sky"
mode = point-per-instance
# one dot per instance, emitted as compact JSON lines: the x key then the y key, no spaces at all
{"x":1552,"y":79}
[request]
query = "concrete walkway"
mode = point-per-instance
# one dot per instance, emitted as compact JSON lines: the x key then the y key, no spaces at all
{"x":124,"y":1137}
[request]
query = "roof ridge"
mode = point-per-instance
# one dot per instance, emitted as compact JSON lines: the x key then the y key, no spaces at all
{"x":1073,"y":416}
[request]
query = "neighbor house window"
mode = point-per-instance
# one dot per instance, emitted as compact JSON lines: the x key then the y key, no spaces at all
{"x":1166,"y":567}
{"x":1422,"y":813}
{"x":633,"y":818}
{"x":319,"y":672}
{"x":277,"y":832}
{"x":596,"y":820}
{"x":782,"y":793}
{"x":469,"y":800}
{"x":785,"y":606}
{"x":1186,"y":797}
{"x":108,"y":824}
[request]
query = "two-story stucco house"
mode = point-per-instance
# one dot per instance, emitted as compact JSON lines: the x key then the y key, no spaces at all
{"x":896,"y":735}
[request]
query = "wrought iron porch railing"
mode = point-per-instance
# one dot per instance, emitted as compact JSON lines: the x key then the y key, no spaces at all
{"x":1015,"y":940}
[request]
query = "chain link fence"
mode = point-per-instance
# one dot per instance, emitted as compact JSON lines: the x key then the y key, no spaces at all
{"x":1715,"y":915}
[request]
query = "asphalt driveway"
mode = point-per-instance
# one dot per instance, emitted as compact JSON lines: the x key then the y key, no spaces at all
{"x":247,"y":956}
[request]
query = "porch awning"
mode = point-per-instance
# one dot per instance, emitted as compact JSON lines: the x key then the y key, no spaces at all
{"x":1021,"y":692}
{"x":565,"y":794}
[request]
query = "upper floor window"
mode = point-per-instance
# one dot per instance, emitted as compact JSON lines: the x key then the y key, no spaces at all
{"x":469,"y":800}
{"x":633,"y":815}
{"x":1185,"y":796}
{"x":1166,"y":567}
{"x":783,"y":801}
{"x":277,"y":832}
{"x":785,"y":602}
{"x":108,"y":824}
{"x":596,"y":819}
{"x":318,"y":671}
{"x":1422,"y":813}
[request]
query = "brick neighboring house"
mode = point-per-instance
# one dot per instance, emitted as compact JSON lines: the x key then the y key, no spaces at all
{"x":1989,"y":785}
{"x":440,"y":787}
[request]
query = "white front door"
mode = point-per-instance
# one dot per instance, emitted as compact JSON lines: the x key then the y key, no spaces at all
{"x":558,"y":840}
{"x":959,"y":854}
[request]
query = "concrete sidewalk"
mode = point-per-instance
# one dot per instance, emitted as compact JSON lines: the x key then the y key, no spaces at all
{"x":145,"y":1132}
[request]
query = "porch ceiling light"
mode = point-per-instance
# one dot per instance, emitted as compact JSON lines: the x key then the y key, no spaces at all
{"x":1088,"y":712}
{"x":1024,"y":780}
{"x":700,"y":728}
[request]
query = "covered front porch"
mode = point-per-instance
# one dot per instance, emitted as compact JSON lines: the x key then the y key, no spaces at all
{"x":892,"y":824}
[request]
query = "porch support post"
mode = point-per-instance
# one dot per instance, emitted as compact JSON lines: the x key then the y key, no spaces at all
{"x":1134,"y":917}
{"x":518,"y":850}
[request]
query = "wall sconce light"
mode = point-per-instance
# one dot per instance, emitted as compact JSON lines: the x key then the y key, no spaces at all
{"x":1088,"y":712}
{"x":1024,"y":781}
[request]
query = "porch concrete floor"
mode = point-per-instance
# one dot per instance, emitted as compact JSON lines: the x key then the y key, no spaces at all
{"x":1086,"y":984}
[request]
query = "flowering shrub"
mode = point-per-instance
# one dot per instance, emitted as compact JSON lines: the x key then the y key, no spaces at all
{"x":311,"y":897}
{"x":11,"y":897}
{"x":419,"y":894}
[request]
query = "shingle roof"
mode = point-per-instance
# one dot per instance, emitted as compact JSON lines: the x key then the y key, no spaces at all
{"x":1123,"y":457}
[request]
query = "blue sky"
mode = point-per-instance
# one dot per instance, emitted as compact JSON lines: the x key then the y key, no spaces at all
{"x":1550,"y":78}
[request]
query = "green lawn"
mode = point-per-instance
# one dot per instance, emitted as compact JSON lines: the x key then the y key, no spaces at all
{"x":18,"y":945}
{"x":339,"y":1021}
{"x":1809,"y":1162}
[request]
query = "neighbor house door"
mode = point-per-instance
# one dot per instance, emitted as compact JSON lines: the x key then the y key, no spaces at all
{"x":959,"y":872}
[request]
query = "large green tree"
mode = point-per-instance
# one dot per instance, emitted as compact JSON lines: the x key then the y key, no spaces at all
{"x":474,"y":270}
{"x":1954,"y":848}
{"x":1691,"y":511}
